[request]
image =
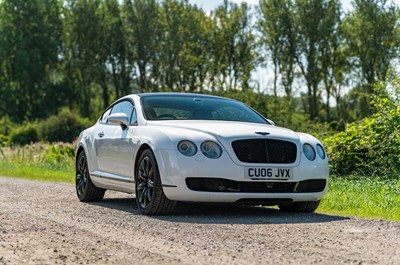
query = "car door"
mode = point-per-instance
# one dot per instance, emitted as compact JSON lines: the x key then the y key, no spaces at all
{"x":116,"y":146}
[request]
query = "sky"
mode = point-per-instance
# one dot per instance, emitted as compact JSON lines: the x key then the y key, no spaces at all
{"x":208,"y":5}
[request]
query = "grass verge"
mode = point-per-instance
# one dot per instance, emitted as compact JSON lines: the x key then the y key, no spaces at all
{"x":32,"y":171}
{"x":363,"y":197}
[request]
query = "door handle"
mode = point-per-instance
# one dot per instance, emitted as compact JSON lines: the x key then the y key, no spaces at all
{"x":101,"y":134}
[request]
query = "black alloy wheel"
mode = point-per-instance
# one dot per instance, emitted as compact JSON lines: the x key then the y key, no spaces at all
{"x":85,"y":189}
{"x":81,"y":175}
{"x":145,"y":183}
{"x":150,"y":196}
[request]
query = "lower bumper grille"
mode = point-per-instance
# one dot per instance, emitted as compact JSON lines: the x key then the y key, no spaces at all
{"x":265,"y":202}
{"x":226,"y":185}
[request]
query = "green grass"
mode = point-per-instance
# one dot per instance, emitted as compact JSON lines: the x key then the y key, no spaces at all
{"x":34,"y":171}
{"x":39,"y":161}
{"x":363,"y":197}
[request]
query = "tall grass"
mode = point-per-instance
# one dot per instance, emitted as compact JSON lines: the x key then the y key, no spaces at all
{"x":40,"y":161}
{"x":364,"y":197}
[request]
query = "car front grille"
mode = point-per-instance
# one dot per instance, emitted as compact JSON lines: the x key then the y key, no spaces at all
{"x":267,"y":151}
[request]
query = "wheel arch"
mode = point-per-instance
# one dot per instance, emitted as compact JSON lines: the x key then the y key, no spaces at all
{"x":142,"y":148}
{"x":78,"y":151}
{"x":82,"y":148}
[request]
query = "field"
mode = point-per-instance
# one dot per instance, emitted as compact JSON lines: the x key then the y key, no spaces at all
{"x":39,"y":162}
{"x":363,"y":197}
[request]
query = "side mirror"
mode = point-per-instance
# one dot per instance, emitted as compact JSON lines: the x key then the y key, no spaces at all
{"x":271,"y":122}
{"x":120,"y":119}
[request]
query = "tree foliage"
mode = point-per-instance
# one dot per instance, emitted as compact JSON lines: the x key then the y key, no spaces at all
{"x":30,"y":44}
{"x":372,"y":34}
{"x":370,"y":147}
{"x":84,"y":54}
{"x":372,"y":37}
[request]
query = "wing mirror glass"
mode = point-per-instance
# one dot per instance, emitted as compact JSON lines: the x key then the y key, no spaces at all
{"x":119,"y":118}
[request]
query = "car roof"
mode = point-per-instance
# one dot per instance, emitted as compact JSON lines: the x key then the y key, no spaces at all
{"x":177,"y":94}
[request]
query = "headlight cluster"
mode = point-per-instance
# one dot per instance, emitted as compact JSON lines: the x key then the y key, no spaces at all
{"x":321,"y":151}
{"x":187,"y":148}
{"x":209,"y":148}
{"x":310,"y":153}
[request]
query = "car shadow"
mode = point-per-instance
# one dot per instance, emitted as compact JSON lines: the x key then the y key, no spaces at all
{"x":202,"y":213}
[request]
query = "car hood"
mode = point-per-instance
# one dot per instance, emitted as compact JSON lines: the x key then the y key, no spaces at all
{"x":227,"y":130}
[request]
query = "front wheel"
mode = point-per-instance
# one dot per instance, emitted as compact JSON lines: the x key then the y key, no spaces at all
{"x":85,"y":189}
{"x":150,"y":196}
{"x":300,"y":207}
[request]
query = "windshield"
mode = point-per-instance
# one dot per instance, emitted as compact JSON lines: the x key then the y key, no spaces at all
{"x":192,"y":107}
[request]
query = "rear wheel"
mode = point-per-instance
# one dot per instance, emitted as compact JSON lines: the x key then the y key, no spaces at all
{"x":150,"y":196}
{"x":300,"y":207}
{"x":85,"y":189}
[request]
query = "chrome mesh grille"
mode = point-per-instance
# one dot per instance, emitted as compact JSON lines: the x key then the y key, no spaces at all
{"x":267,"y":151}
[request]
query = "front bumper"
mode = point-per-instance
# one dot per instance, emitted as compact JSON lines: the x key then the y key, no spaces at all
{"x":175,"y":168}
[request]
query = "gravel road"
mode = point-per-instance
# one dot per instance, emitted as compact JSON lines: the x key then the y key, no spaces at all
{"x":44,"y":223}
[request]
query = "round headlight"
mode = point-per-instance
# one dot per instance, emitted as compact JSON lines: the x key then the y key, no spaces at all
{"x":187,"y":148}
{"x":321,"y":151}
{"x":309,"y":152}
{"x":211,"y":149}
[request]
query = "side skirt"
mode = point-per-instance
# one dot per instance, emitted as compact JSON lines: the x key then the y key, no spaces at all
{"x":112,"y":182}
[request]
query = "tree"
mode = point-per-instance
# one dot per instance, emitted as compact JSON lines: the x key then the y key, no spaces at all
{"x":185,"y":58}
{"x":174,"y":23}
{"x":144,"y":28}
{"x":82,"y":55}
{"x":333,"y":58}
{"x":372,"y":34}
{"x":278,"y":34}
{"x":234,"y":46}
{"x":114,"y":51}
{"x":315,"y":25}
{"x":29,"y":49}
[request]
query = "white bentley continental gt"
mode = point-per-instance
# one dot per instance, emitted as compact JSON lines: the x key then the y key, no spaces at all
{"x":171,"y":147}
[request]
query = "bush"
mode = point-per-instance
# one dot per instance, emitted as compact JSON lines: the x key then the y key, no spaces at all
{"x":58,"y":153}
{"x":6,"y":125}
{"x":24,"y":134}
{"x":4,"y":140}
{"x":64,"y":127}
{"x":56,"y":156}
{"x":370,"y":147}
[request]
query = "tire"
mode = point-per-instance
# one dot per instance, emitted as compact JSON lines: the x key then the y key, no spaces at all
{"x":150,"y":196}
{"x":85,"y":189}
{"x":300,"y":207}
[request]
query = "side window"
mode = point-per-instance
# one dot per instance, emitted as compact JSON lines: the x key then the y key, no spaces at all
{"x":124,"y":107}
{"x":133,"y":117}
{"x":105,"y":115}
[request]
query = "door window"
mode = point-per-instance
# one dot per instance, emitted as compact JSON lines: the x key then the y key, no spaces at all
{"x":105,"y":115}
{"x":127,"y":108}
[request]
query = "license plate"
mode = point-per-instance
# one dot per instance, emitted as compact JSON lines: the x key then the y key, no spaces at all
{"x":268,"y":173}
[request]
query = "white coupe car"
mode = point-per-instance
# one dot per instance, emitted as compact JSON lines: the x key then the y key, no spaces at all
{"x":171,"y":147}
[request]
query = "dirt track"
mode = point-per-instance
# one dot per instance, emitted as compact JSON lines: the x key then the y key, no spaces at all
{"x":44,"y":223}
